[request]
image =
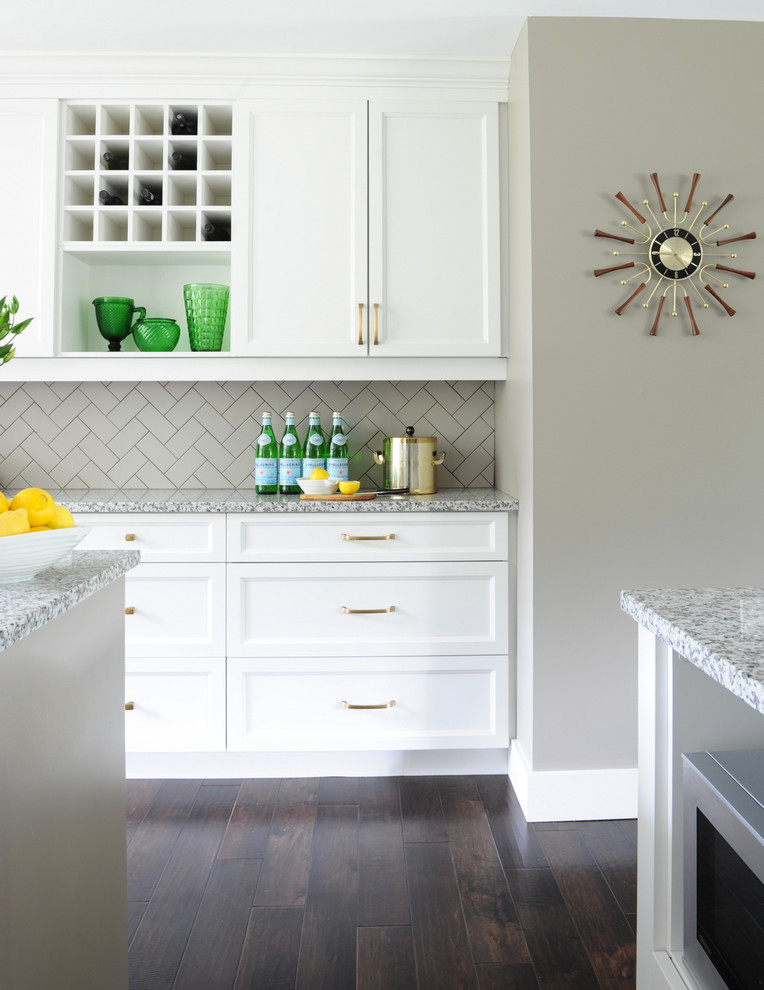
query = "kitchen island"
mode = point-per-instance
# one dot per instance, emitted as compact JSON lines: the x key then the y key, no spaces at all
{"x":701,"y":687}
{"x":63,"y":900}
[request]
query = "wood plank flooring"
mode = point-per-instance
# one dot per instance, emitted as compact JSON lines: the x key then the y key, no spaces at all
{"x":372,"y":883}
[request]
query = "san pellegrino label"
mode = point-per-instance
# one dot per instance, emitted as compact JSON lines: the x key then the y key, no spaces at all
{"x":266,"y":459}
{"x":290,"y":458}
{"x":337,"y":459}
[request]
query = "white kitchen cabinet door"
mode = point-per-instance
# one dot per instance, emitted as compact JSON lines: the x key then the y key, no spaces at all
{"x":377,"y":609}
{"x":434,"y":268}
{"x":28,"y":210}
{"x":305,"y":210}
{"x":175,"y":705}
{"x":175,"y":610}
{"x":359,"y":703}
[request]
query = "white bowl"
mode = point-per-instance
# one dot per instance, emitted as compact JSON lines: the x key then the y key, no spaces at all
{"x":322,"y":486}
{"x":23,"y":556}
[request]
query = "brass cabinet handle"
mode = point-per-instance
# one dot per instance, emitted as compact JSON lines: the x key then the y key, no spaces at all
{"x":130,"y":610}
{"x":376,"y":323}
{"x":344,"y":536}
{"x":346,"y":704}
{"x":129,"y":706}
{"x":129,"y":537}
{"x":366,"y":611}
{"x":360,"y":323}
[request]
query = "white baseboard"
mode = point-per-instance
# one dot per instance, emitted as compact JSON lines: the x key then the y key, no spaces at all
{"x":322,"y":764}
{"x":571,"y":795}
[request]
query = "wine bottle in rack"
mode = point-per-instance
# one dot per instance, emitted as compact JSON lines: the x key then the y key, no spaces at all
{"x":184,"y":160}
{"x":216,"y":231}
{"x":183,"y":124}
{"x":109,"y":199}
{"x":111,"y":161}
{"x":149,"y":197}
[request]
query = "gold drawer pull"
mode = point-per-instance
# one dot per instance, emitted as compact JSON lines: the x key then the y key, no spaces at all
{"x":346,"y":704}
{"x":360,"y":323}
{"x":129,"y":706}
{"x":344,"y":536}
{"x":130,"y":610}
{"x":376,"y":323}
{"x":366,"y":611}
{"x":129,"y":537}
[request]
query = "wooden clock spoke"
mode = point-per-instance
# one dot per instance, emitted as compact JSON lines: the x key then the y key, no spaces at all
{"x":654,"y":328}
{"x":615,"y":268}
{"x":633,"y":296}
{"x":736,"y":271}
{"x":693,"y":324}
{"x":727,"y":199}
{"x":742,"y":237}
{"x":654,"y":177}
{"x":688,"y":204}
{"x":725,"y":306}
{"x":620,"y":196}
{"x":614,"y":237}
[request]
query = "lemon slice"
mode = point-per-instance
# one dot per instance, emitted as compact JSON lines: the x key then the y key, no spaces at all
{"x":318,"y":474}
{"x":349,"y":487}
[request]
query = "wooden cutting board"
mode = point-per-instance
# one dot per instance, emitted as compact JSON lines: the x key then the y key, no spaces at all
{"x":339,"y":497}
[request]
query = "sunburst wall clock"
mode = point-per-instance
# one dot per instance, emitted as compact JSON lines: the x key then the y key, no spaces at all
{"x":679,"y":260}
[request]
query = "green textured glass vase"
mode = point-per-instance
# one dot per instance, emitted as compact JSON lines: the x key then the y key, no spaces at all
{"x":114,"y":316}
{"x":156,"y":334}
{"x":206,"y":311}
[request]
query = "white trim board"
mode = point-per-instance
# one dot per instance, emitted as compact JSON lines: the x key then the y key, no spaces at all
{"x":571,"y":795}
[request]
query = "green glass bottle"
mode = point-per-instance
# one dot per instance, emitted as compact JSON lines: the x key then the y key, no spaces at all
{"x":337,"y":454}
{"x":314,"y":448}
{"x":266,"y":459}
{"x":290,"y":458}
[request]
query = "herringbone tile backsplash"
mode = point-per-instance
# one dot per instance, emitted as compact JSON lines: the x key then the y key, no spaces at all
{"x":202,"y":434}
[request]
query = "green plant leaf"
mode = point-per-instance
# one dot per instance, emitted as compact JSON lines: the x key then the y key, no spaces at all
{"x":18,"y":327}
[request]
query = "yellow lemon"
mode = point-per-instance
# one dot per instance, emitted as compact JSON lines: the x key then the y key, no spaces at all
{"x":318,"y":474}
{"x":38,"y":503}
{"x":61,"y":518}
{"x":3,"y":503}
{"x":39,"y":529}
{"x":349,"y":487}
{"x":14,"y":522}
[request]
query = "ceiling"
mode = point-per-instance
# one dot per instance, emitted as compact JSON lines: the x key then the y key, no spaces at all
{"x":319,"y":27}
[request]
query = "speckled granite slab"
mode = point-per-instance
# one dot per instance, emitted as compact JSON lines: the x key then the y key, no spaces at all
{"x":720,"y":630}
{"x":27,"y":606}
{"x":225,"y":500}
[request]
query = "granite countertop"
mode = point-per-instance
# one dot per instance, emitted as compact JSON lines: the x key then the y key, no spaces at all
{"x":720,"y":630}
{"x":242,"y":500}
{"x":26,"y":606}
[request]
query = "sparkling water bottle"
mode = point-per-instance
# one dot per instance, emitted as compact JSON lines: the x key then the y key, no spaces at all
{"x":266,"y":459}
{"x":314,"y":448}
{"x":290,"y":458}
{"x":337,"y":459}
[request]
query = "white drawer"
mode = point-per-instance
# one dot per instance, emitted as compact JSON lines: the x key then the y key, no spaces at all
{"x":163,"y":536}
{"x":175,"y":705}
{"x":341,"y":536}
{"x":451,"y":702}
{"x":323,"y":610}
{"x":175,"y":610}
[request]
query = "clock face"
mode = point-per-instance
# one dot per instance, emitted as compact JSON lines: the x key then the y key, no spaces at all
{"x":676,"y":253}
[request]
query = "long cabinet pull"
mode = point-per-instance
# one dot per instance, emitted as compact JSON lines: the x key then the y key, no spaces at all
{"x":130,"y":610}
{"x":389,"y":704}
{"x":366,"y":611}
{"x":376,"y":323}
{"x":360,"y":323}
{"x":344,"y":536}
{"x":129,"y":706}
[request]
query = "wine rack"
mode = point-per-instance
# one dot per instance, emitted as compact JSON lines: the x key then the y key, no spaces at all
{"x":154,"y":186}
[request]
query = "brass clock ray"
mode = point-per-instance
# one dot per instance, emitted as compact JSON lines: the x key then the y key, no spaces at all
{"x":677,"y":246}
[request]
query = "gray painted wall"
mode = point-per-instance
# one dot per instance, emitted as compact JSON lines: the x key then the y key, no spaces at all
{"x":638,"y":460}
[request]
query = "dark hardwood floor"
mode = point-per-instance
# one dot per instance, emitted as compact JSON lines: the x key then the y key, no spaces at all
{"x":373,"y":883}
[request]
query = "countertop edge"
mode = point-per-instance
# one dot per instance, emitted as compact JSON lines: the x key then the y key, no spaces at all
{"x":26,"y":607}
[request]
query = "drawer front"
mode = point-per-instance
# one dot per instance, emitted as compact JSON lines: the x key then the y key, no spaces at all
{"x":175,"y":705}
{"x":175,"y":610}
{"x":349,"y":536}
{"x":451,"y":702}
{"x":329,"y":610}
{"x":159,"y":536}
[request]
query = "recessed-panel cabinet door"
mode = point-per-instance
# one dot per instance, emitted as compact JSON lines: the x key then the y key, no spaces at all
{"x":28,"y":210}
{"x":434,"y":278}
{"x":306,"y":273}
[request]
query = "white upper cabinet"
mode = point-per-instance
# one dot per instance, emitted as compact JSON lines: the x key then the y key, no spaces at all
{"x":434,"y":229}
{"x":426,"y":174}
{"x":28,"y":208}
